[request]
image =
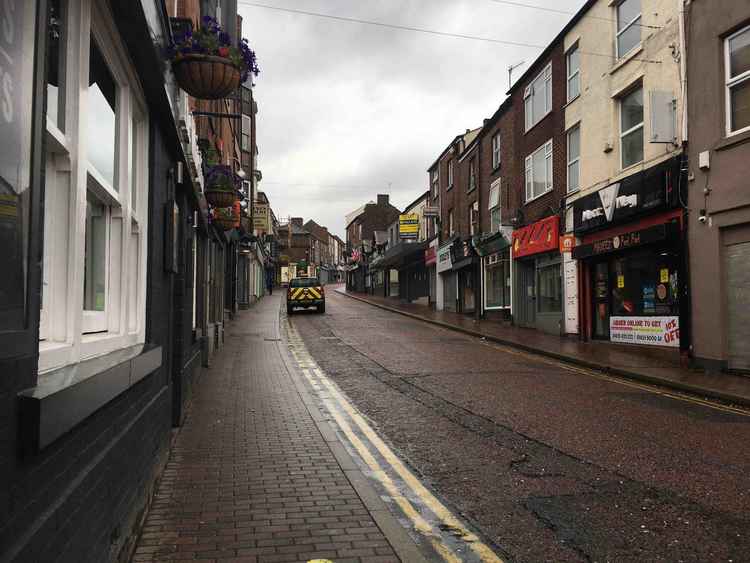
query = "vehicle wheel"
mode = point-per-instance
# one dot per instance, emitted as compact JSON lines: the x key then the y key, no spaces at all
{"x":322,"y":308}
{"x":288,"y":309}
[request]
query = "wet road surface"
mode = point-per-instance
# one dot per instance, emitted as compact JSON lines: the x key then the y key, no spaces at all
{"x":551,"y":464}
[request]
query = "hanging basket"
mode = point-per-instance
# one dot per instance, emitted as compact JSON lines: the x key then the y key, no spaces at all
{"x":220,"y":198}
{"x":206,"y":77}
{"x":226,"y":223}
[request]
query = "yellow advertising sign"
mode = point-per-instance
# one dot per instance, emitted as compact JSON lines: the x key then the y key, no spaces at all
{"x":664,"y":275}
{"x":260,"y":217}
{"x":408,"y":225}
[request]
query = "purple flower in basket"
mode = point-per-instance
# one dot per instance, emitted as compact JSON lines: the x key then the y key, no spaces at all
{"x":223,"y":177}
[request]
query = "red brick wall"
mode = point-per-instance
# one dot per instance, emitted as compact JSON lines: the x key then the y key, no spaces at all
{"x":524,"y":143}
{"x":503,"y":122}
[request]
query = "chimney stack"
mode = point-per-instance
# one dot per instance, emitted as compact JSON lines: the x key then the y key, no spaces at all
{"x":297,"y":221}
{"x":383,"y":199}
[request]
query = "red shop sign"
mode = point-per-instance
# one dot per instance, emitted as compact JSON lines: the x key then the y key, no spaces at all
{"x":542,"y":236}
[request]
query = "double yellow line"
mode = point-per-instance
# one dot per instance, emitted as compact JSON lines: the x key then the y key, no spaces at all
{"x":338,"y":406}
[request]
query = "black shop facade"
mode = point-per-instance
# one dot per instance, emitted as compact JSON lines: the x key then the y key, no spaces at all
{"x":631,"y":260}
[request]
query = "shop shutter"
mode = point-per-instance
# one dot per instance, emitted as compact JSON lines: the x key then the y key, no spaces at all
{"x":738,"y":302}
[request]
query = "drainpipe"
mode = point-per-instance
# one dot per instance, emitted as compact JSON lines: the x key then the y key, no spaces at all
{"x":683,"y":70}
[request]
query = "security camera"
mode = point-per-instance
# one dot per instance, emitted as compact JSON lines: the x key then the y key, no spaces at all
{"x":702,"y":216}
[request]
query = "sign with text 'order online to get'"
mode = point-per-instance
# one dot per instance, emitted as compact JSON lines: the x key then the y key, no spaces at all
{"x":654,"y":331}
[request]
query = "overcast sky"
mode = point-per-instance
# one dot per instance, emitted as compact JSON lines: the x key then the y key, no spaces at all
{"x":347,"y":109}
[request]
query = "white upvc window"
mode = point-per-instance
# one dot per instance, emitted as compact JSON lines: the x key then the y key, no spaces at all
{"x":436,"y":182}
{"x":450,"y":173}
{"x":495,"y":150}
{"x":539,"y":172}
{"x":573,"y":60}
{"x":472,"y":175}
{"x":631,"y":128}
{"x":494,"y":206}
{"x":451,"y":229}
{"x":538,"y":98}
{"x":628,"y":26}
{"x":574,"y":158}
{"x":94,"y":259}
{"x":737,"y":65}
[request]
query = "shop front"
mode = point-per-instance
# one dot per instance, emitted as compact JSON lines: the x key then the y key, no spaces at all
{"x":430,"y":261}
{"x":632,"y":260}
{"x":446,"y":279}
{"x":496,"y":275}
{"x":464,"y":260}
{"x":537,"y":276}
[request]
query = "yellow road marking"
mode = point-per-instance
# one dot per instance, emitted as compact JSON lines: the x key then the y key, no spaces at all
{"x":420,"y":524}
{"x":484,"y":552}
{"x":472,"y":540}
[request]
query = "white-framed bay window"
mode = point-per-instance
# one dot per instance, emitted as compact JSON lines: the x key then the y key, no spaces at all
{"x":539,"y":172}
{"x":94,"y":264}
{"x":494,"y":206}
{"x":737,"y":65}
{"x":537,"y":98}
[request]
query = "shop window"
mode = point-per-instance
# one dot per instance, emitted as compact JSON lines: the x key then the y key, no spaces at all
{"x":494,"y":206}
{"x":631,"y":128}
{"x":497,"y":280}
{"x":574,"y":158}
{"x":737,"y":64}
{"x":628,"y":26}
{"x":549,"y":292}
{"x":93,"y":283}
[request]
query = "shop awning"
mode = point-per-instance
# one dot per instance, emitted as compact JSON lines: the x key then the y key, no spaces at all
{"x":492,"y":243}
{"x":402,"y":254}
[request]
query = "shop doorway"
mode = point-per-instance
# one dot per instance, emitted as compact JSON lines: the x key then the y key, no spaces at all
{"x":527,"y":294}
{"x":600,"y":294}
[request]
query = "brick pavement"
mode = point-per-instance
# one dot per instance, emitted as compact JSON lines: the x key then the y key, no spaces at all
{"x":250,"y":477}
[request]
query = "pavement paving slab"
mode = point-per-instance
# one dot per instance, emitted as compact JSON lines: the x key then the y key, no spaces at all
{"x":255,"y":473}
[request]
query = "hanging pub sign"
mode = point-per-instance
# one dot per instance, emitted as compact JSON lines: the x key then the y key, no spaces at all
{"x":542,"y":236}
{"x":645,"y":192}
{"x":260,"y":217}
{"x":408,"y":226}
{"x":430,"y":256}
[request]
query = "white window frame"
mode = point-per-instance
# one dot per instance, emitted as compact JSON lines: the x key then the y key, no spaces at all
{"x":451,"y":224}
{"x":494,"y":204}
{"x":545,"y":76}
{"x":546,"y":150}
{"x":472,"y":175}
{"x":633,"y":129}
{"x":496,"y":150}
{"x":574,"y":161}
{"x":68,"y":333}
{"x":450,"y":173}
{"x":732,"y":82}
{"x":575,"y":75}
{"x":489,"y":261}
{"x":435,"y":181}
{"x":619,"y":31}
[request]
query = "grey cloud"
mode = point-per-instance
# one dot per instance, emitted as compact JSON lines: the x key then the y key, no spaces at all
{"x":344,"y":104}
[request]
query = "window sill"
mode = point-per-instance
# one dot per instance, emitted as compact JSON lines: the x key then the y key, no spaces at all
{"x":732,"y":140}
{"x":569,"y":102}
{"x":471,"y":190}
{"x":537,"y":197}
{"x":629,"y":56}
{"x":65,"y":397}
